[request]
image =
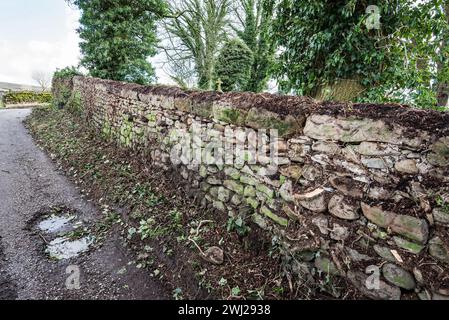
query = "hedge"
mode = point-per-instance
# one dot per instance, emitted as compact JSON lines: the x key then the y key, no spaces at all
{"x":18,"y":97}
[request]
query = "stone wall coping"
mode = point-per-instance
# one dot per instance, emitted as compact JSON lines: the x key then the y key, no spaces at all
{"x":259,"y":110}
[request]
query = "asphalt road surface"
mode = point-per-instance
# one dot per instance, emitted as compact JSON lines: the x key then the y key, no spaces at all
{"x":31,"y":184}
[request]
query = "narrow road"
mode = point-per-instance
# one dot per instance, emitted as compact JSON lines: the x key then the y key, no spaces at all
{"x":29,"y":185}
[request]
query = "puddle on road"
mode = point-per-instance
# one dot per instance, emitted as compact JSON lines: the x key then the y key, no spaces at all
{"x":64,"y":235}
{"x":64,"y":248}
{"x":55,"y":224}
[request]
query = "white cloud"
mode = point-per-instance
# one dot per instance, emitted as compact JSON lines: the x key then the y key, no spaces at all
{"x":18,"y":59}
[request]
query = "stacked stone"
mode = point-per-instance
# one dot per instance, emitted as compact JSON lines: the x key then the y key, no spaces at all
{"x":351,"y":194}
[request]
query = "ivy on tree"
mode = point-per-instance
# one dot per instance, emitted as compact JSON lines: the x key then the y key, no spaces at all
{"x":328,"y":52}
{"x":256,"y":21}
{"x":233,"y":67}
{"x":118,"y":37}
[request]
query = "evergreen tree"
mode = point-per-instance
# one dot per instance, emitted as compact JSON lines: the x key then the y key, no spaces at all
{"x":256,"y":22}
{"x":118,"y":37}
{"x":233,"y":67}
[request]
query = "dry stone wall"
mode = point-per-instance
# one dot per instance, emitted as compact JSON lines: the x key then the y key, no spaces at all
{"x":353,"y":191}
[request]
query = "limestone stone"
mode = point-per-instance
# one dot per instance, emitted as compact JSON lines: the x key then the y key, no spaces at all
{"x":398,"y":276}
{"x":249,"y":191}
{"x":289,"y":212}
{"x":440,"y":152}
{"x":203,"y":109}
{"x":347,"y":186}
{"x":267,"y":212}
{"x":374,"y":163}
{"x":252,"y":202}
{"x":407,"y":226}
{"x":260,"y":221}
{"x":441,"y":216}
{"x":351,"y":167}
{"x":438,"y":249}
{"x":339,"y":207}
{"x":236,"y":200}
{"x":322,"y":223}
{"x":313,"y":200}
{"x":285,"y":191}
{"x":213,"y":181}
{"x":292,"y":171}
{"x":223,"y":194}
{"x":350,"y":154}
{"x":228,"y":114}
{"x":234,"y":186}
{"x":376,"y":149}
{"x":384,"y":252}
{"x":407,"y":166}
{"x":248,"y":180}
{"x":265,"y":190}
{"x":214,"y":192}
{"x":311,"y":173}
{"x":384,"y":292}
{"x":203,"y":171}
{"x":326,"y":147}
{"x":437,"y":296}
{"x":339,"y":232}
{"x":232,"y":172}
{"x":411,"y":227}
{"x":377,"y":216}
{"x":418,"y":275}
{"x":321,"y":159}
{"x":408,"y":245}
{"x":379,"y":193}
{"x":258,"y":118}
{"x":297,"y":152}
{"x":205,"y":186}
{"x":219,"y":206}
{"x":351,"y":129}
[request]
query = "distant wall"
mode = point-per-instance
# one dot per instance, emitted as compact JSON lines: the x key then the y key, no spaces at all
{"x":356,"y":191}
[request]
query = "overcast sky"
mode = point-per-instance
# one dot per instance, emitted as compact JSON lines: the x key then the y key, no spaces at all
{"x":39,"y":35}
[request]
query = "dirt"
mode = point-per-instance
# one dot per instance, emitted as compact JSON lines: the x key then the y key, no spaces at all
{"x":8,"y":289}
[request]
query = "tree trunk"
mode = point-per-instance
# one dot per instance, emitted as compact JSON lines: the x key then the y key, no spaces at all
{"x":343,"y":90}
{"x":443,"y":87}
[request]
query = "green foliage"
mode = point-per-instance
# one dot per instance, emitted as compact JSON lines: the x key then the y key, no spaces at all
{"x":256,"y":33}
{"x":62,"y":89}
{"x":66,"y":73}
{"x":74,"y":103}
{"x":237,"y":224}
{"x":233,"y":66}
{"x":18,"y":97}
{"x":148,"y":229}
{"x":118,"y":37}
{"x":325,"y":41}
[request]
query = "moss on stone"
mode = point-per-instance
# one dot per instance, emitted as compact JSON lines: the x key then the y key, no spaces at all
{"x":252,"y":202}
{"x":408,"y":245}
{"x":267,"y":212}
{"x":234,"y":186}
